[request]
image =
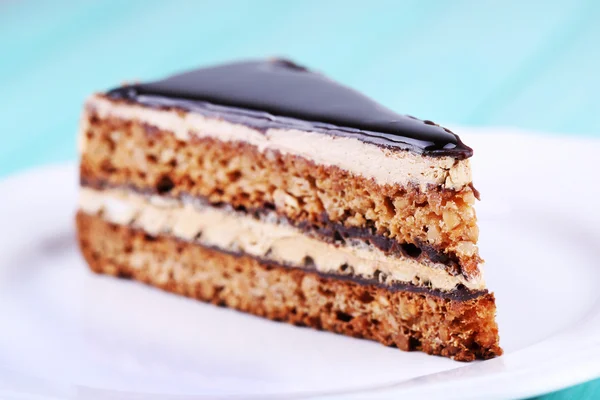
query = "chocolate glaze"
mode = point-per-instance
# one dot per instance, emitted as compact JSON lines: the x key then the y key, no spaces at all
{"x":330,"y":231}
{"x":281,"y":94}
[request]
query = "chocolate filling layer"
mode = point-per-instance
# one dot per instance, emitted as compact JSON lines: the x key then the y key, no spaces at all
{"x":460,"y":293}
{"x":329,"y":231}
{"x":334,"y":232}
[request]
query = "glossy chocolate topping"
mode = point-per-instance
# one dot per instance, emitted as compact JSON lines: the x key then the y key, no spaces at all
{"x":280,"y":94}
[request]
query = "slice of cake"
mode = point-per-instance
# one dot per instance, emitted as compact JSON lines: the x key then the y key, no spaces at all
{"x":268,"y":188}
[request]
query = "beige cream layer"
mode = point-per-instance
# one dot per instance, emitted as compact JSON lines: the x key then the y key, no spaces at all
{"x":267,"y":238}
{"x":383,"y":165}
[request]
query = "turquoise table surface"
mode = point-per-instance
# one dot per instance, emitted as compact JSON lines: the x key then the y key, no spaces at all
{"x":528,"y":64}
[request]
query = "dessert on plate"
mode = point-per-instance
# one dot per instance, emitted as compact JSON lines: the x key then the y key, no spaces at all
{"x":268,"y":188}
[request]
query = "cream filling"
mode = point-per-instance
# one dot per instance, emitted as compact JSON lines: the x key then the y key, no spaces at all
{"x":267,"y":239}
{"x":383,"y":165}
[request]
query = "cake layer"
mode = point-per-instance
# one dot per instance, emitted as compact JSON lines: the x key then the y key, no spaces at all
{"x":463,"y":330}
{"x":121,"y":152}
{"x":267,"y":238}
{"x":384,"y":165}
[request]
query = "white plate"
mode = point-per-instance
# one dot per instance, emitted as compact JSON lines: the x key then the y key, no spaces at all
{"x":68,"y":333}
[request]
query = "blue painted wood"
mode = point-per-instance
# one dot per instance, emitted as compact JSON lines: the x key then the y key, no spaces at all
{"x":531,"y":64}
